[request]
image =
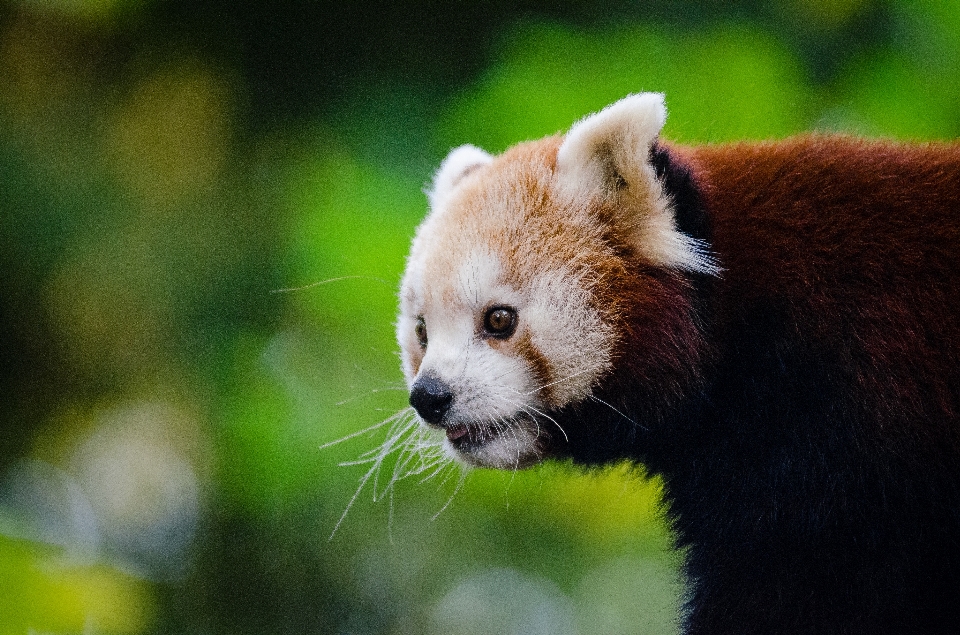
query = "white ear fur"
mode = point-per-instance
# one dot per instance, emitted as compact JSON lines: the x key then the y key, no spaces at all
{"x":458,"y":163}
{"x":613,"y":144}
{"x":607,"y":155}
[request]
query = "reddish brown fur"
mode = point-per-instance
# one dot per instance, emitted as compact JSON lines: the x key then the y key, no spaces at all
{"x":860,"y":238}
{"x":539,"y":365}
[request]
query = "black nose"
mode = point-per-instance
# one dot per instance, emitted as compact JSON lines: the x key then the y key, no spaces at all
{"x":431,"y":398}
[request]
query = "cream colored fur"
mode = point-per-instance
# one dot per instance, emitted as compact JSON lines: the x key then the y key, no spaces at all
{"x":460,"y":162}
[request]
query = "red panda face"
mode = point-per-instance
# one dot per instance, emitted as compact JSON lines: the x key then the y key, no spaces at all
{"x":509,"y":308}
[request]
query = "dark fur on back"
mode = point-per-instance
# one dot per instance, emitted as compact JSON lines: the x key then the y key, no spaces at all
{"x":803,"y":409}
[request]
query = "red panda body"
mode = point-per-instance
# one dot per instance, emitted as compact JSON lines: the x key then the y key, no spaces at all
{"x":773,"y":328}
{"x":817,"y":485}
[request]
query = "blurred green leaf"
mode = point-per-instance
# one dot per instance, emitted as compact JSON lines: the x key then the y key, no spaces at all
{"x":890,"y":96}
{"x":40,"y":591}
{"x":732,"y":82}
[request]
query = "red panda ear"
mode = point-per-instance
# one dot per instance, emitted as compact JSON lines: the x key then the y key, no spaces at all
{"x":606,"y":157}
{"x":609,"y":150}
{"x":460,"y":162}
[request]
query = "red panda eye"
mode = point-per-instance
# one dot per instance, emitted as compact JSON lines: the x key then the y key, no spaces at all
{"x":500,"y":321}
{"x":421,"y":332}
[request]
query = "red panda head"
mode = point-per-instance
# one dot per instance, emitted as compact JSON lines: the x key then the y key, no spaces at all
{"x":523,"y":282}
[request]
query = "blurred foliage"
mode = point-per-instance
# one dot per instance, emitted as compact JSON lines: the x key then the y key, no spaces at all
{"x":44,"y":594}
{"x":551,"y":76}
{"x":204,"y":211}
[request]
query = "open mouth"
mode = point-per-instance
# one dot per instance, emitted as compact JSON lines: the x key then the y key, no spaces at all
{"x":468,"y":437}
{"x":457,"y":432}
{"x":503,"y":443}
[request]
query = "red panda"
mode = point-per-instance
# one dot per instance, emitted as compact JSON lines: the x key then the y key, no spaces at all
{"x":773,"y":328}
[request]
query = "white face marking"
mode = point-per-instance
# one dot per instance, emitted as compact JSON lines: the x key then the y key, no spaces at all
{"x":491,"y":387}
{"x":503,"y":389}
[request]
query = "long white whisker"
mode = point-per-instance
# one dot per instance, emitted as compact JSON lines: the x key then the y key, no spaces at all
{"x":413,"y":453}
{"x":353,"y":499}
{"x":463,"y":477}
{"x":437,"y":466}
{"x":516,"y":442}
{"x":598,"y":400}
{"x":411,"y":449}
{"x":562,"y":379}
{"x":389,"y":446}
{"x":453,"y":470}
{"x":390,"y":419}
{"x":328,"y":281}
{"x":551,"y":419}
{"x":371,"y":392}
{"x":513,"y":370}
{"x":528,"y":408}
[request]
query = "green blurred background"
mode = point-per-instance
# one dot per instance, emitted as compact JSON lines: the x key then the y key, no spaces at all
{"x":168,"y":166}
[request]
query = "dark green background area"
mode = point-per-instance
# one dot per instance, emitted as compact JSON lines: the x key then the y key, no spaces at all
{"x":176,"y":177}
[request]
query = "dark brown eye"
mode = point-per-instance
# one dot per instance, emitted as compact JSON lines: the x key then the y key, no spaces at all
{"x":421,"y":332}
{"x":500,"y":321}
